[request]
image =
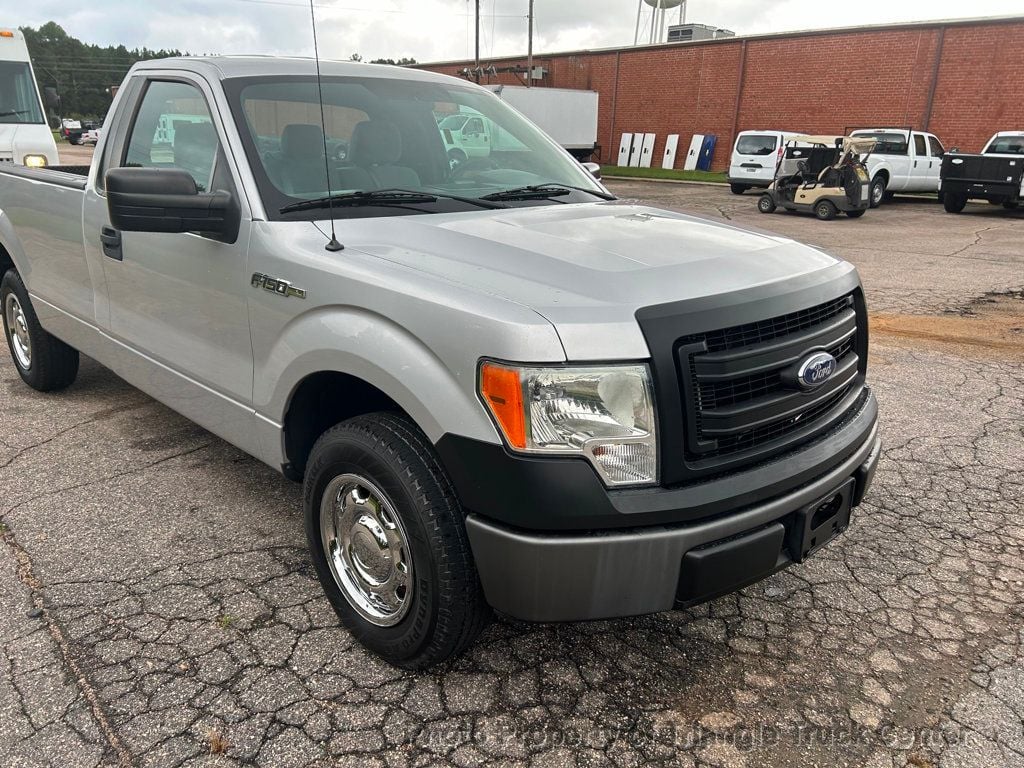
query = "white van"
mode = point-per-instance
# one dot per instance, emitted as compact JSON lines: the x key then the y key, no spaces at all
{"x":25,"y":137}
{"x":754,"y":157}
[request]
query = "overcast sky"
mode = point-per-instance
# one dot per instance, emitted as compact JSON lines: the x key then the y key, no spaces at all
{"x":431,"y":30}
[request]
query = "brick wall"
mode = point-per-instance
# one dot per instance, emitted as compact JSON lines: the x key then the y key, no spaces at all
{"x":821,"y":82}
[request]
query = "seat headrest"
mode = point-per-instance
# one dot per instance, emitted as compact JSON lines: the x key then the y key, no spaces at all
{"x":375,"y":142}
{"x":302,"y":141}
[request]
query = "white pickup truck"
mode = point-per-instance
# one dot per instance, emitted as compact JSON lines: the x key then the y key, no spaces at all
{"x":501,"y":386}
{"x":903,"y":160}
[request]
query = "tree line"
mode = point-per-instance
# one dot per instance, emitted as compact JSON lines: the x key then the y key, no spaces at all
{"x":83,"y":75}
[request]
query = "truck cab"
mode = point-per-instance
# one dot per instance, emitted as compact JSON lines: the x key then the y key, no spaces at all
{"x":904,"y":160}
{"x":25,"y":137}
{"x":466,"y":135}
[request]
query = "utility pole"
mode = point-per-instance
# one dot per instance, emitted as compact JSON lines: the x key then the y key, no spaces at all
{"x":476,"y":69}
{"x":529,"y":47}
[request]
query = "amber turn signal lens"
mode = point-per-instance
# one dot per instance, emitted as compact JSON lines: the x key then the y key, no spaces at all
{"x":503,"y":393}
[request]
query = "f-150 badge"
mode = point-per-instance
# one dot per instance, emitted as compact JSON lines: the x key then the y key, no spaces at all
{"x":275,"y":285}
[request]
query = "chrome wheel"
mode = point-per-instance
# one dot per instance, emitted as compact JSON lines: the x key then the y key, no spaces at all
{"x":367,"y":549}
{"x":17,"y":329}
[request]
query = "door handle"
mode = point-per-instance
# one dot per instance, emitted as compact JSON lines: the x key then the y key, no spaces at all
{"x":111,"y":239}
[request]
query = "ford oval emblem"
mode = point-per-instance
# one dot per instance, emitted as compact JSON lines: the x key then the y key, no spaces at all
{"x":816,"y":369}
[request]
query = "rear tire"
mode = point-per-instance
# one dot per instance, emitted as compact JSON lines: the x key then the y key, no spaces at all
{"x":877,"y":192}
{"x":417,"y":600}
{"x":954,"y":203}
{"x":766,"y":204}
{"x":738,"y":189}
{"x":825,"y":210}
{"x":856,"y":214}
{"x":44,"y":362}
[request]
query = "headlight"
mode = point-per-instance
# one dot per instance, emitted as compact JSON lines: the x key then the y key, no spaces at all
{"x":603,"y":413}
{"x":35,"y":161}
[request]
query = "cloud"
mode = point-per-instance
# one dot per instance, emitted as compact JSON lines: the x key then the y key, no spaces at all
{"x":431,"y":30}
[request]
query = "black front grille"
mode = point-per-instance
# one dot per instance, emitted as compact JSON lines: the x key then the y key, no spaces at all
{"x":766,"y":330}
{"x":743,"y":388}
{"x":741,"y":401}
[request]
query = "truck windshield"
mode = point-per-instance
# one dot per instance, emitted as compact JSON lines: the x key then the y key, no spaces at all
{"x":456,"y":143}
{"x":19,"y":100}
{"x":1006,"y":145}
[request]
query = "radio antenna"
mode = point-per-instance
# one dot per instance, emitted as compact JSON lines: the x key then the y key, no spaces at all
{"x":333,"y":244}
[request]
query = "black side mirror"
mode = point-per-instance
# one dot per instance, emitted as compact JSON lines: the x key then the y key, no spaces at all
{"x":594,"y":170}
{"x":955,"y":149}
{"x":167,"y":200}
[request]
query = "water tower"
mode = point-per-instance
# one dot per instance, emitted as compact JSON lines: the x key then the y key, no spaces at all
{"x":659,"y":8}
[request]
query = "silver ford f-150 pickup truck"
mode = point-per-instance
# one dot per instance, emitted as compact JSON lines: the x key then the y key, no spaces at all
{"x":501,"y":387}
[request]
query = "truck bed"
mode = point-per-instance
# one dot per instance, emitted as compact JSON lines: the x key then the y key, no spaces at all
{"x":73,"y":176}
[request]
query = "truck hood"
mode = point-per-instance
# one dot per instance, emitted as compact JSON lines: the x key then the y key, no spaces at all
{"x":588,"y":268}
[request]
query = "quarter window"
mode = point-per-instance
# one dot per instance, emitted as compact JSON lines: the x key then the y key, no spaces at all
{"x":174,"y":129}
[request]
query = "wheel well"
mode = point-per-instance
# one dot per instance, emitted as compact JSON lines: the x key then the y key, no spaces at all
{"x":319,"y":402}
{"x":884,"y":175}
{"x":6,"y":262}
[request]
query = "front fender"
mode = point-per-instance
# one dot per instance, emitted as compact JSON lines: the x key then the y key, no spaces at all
{"x":382,"y":353}
{"x":12,"y":245}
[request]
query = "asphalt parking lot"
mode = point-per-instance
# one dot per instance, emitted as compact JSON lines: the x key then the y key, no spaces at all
{"x":157,"y":607}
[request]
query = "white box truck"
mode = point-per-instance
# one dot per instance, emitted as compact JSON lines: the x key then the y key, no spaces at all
{"x":25,"y":138}
{"x":567,"y":115}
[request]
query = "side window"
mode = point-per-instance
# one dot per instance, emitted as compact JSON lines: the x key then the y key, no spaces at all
{"x":474,"y":126}
{"x":173,"y":129}
{"x":919,"y":146}
{"x":936,"y":145}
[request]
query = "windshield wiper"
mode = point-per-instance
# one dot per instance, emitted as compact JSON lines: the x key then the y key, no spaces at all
{"x":396,"y":197}
{"x":542,"y":192}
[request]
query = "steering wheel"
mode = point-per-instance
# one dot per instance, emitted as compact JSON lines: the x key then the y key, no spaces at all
{"x":473,"y":164}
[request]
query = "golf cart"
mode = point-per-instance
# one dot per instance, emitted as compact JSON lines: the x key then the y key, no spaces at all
{"x":823,"y":175}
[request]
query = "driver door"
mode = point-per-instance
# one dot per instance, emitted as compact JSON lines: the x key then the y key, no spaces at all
{"x":475,"y":140}
{"x":178,"y":301}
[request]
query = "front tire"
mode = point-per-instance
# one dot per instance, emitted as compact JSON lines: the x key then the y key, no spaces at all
{"x":954,"y":203}
{"x":738,"y":189}
{"x":825,"y":210}
{"x":766,"y":203}
{"x":388,"y":540}
{"x":877,"y":192}
{"x":856,"y":214}
{"x":44,"y":362}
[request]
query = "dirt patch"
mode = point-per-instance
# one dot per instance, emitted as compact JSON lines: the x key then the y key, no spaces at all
{"x":992,"y":324}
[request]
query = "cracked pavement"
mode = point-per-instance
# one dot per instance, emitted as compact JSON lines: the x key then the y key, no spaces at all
{"x":157,"y":607}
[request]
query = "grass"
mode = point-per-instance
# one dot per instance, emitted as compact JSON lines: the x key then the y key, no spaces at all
{"x":611,"y":171}
{"x":226,"y":622}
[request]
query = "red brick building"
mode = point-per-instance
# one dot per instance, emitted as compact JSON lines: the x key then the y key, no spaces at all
{"x":958,"y":79}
